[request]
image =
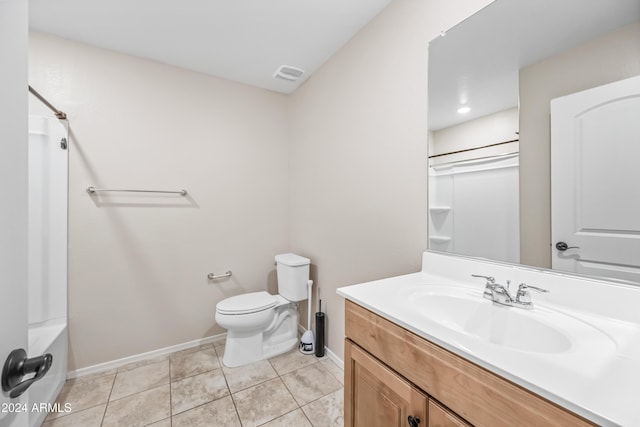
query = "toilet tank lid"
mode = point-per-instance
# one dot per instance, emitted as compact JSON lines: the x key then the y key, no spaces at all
{"x":292,"y":260}
{"x":247,"y":303}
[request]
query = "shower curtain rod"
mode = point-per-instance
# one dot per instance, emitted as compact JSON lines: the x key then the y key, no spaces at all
{"x":471,"y":149}
{"x":59,"y":114}
{"x":473,"y":161}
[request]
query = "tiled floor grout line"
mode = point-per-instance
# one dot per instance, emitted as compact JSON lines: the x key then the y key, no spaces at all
{"x":294,"y":398}
{"x":106,"y":406}
{"x":197,"y":406}
{"x":236,"y":408}
{"x":316,"y":361}
{"x":170,"y":396}
{"x":228,"y":387}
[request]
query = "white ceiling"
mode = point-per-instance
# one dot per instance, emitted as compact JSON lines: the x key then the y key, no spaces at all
{"x":240,"y":40}
{"x":477,"y":62}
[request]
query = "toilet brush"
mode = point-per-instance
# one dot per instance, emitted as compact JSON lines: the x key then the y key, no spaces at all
{"x":307,"y":340}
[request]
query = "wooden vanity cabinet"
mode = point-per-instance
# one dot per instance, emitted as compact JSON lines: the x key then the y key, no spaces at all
{"x":380,"y":397}
{"x":392,"y":373}
{"x":440,"y":416}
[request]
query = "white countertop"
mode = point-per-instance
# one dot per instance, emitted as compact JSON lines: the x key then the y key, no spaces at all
{"x":597,"y":376}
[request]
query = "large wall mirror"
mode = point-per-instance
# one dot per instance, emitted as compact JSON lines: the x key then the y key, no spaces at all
{"x":533,"y":119}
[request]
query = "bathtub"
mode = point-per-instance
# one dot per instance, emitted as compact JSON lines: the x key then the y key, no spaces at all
{"x":47,"y":337}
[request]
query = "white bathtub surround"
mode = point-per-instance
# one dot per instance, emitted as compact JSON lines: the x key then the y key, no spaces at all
{"x":588,"y":367}
{"x":475,"y":201}
{"x":473,"y":187}
{"x":47,"y":254}
{"x":48,"y":188}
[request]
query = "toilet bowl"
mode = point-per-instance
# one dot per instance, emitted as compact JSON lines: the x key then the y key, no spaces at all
{"x":261,"y":325}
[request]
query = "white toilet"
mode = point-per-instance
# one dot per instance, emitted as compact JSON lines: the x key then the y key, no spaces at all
{"x":260,"y":325}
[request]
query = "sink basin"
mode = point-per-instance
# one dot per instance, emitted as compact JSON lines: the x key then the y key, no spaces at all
{"x":466,"y":312}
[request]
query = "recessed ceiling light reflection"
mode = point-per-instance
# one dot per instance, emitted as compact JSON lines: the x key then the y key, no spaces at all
{"x":463,"y":110}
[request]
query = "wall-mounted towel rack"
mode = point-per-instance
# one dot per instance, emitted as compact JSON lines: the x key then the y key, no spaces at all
{"x":93,"y":190}
{"x":213,"y":276}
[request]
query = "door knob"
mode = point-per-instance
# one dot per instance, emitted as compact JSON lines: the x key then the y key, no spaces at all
{"x":18,"y":365}
{"x":562,"y":246}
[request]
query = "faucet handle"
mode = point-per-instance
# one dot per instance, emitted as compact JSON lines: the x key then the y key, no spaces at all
{"x":524,"y":286}
{"x":523,"y":298}
{"x":490,"y":279}
{"x":488,"y":292}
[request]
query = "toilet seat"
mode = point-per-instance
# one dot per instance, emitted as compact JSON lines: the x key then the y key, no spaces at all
{"x":252,"y":302}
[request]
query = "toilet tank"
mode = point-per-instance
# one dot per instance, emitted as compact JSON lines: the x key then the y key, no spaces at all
{"x":293,"y":274}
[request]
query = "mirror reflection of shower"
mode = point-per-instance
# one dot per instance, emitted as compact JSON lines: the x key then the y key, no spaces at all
{"x":473,"y":188}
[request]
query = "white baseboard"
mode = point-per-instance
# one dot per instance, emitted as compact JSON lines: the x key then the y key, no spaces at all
{"x":114,"y":364}
{"x":334,"y":357}
{"x":106,"y":366}
{"x":330,"y":354}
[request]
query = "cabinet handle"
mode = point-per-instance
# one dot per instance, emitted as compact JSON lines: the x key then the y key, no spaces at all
{"x":413,"y":421}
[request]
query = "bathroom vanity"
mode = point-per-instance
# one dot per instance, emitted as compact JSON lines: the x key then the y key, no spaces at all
{"x":428,"y":349}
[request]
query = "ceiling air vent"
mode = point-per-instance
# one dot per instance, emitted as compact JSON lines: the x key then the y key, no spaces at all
{"x":288,"y":73}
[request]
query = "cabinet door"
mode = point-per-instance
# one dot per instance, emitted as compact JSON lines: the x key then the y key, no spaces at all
{"x":440,"y":416}
{"x":377,"y":396}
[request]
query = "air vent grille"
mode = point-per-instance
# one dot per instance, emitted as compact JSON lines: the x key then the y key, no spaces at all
{"x":288,"y":73}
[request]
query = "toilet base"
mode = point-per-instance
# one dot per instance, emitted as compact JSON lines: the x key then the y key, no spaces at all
{"x":280,"y":348}
{"x":244,"y":347}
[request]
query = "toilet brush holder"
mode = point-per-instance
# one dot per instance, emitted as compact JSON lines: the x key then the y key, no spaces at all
{"x":307,"y":340}
{"x":319,"y":334}
{"x":307,"y":343}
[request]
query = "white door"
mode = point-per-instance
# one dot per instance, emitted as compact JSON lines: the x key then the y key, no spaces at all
{"x":13,"y":191}
{"x":595,"y":181}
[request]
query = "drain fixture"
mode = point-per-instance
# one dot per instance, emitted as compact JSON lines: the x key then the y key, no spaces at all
{"x":289,"y":73}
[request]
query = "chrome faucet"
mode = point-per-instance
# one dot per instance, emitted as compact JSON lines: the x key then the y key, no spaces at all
{"x":523,"y":298}
{"x":500,"y":295}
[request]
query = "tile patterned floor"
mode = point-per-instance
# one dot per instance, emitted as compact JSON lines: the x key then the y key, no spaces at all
{"x":192,"y":388}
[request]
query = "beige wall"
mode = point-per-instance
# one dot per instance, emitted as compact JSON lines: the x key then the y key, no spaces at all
{"x":138,"y":265}
{"x":358,"y":154}
{"x":615,"y":56}
{"x":336,"y":172}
